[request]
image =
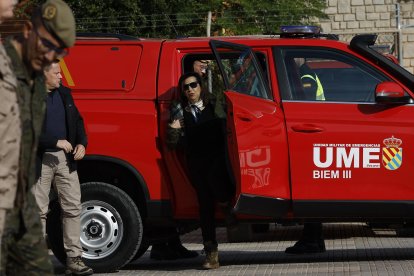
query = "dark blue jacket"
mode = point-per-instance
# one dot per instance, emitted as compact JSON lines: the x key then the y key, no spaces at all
{"x":75,"y":130}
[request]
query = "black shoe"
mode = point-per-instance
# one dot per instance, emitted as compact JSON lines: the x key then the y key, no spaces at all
{"x":306,"y":247}
{"x":163,"y":252}
{"x":184,"y":252}
{"x":176,"y":245}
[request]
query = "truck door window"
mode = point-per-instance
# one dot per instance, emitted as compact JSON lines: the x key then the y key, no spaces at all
{"x":240,"y":69}
{"x":335,"y":76}
{"x":242,"y":74}
{"x":213,"y":78}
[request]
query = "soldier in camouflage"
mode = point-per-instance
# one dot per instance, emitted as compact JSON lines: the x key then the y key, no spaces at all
{"x":10,"y":128}
{"x":43,"y":40}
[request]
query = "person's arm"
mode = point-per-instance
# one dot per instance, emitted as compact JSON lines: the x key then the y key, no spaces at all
{"x":81,"y":137}
{"x":175,"y":130}
{"x":51,"y":142}
{"x":174,"y":133}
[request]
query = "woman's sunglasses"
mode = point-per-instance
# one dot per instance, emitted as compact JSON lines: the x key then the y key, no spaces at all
{"x":187,"y":86}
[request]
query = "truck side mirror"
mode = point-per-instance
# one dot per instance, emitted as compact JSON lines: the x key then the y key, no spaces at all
{"x":391,"y":92}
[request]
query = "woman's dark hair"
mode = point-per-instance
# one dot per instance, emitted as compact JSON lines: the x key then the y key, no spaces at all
{"x":183,"y":98}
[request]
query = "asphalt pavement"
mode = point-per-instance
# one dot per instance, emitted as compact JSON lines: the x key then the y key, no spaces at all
{"x":352,"y":249}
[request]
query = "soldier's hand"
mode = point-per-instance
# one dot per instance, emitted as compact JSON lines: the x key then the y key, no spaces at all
{"x":65,"y":145}
{"x":79,"y":152}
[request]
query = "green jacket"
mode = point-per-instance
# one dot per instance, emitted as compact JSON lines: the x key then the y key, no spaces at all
{"x":32,"y":102}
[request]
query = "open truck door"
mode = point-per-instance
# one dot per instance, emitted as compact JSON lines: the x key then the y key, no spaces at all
{"x":256,"y":133}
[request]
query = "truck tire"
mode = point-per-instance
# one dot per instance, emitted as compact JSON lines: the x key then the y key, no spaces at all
{"x":111,"y":227}
{"x":142,"y":249}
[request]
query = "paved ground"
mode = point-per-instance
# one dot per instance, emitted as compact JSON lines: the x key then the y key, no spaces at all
{"x":352,"y":249}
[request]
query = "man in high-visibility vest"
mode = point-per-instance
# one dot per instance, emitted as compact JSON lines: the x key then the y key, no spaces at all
{"x":312,"y":86}
{"x":312,"y":240}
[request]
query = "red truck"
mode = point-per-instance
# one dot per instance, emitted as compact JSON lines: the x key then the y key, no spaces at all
{"x":293,"y":157}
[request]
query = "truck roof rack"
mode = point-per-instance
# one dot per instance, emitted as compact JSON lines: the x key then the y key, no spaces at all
{"x":107,"y":36}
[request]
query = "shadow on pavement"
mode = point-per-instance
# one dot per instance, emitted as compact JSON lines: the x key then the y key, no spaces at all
{"x":231,"y":258}
{"x":268,"y":248}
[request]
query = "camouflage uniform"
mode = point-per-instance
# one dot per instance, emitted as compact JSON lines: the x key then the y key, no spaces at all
{"x":10,"y":133}
{"x":216,"y":88}
{"x":24,"y":251}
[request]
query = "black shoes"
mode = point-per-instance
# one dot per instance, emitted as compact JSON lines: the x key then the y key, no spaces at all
{"x":162,"y":252}
{"x":183,"y":252}
{"x":306,"y":247}
{"x":166,"y":251}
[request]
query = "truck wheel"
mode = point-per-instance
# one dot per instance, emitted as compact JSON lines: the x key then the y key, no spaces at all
{"x":142,"y":249}
{"x":111,"y":228}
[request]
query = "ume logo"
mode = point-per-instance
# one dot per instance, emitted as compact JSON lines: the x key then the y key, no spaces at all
{"x":338,"y":160}
{"x":343,"y":157}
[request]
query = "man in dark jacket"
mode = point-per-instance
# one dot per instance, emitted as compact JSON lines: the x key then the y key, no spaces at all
{"x":62,"y":142}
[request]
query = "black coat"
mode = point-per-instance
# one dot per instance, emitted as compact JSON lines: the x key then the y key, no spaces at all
{"x":75,"y":130}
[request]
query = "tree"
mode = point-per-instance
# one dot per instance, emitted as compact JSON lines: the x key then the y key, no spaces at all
{"x":107,"y":16}
{"x":162,"y":18}
{"x":24,"y":9}
{"x":250,"y":16}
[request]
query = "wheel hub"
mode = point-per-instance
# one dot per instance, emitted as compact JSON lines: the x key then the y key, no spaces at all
{"x":94,"y":229}
{"x":102,"y":229}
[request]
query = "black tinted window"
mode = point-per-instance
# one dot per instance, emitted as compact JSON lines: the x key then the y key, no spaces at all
{"x":322,"y":75}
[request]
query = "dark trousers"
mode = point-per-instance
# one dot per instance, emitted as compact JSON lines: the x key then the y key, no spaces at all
{"x":312,"y":231}
{"x":212,"y":183}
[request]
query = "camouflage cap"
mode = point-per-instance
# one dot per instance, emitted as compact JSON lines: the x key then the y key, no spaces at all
{"x":59,"y":20}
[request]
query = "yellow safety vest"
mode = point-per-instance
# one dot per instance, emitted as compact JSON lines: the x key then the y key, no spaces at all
{"x":319,"y":92}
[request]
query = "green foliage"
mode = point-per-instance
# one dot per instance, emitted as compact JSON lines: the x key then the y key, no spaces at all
{"x":163,"y":18}
{"x":24,"y":9}
{"x":244,"y":17}
{"x":107,"y":16}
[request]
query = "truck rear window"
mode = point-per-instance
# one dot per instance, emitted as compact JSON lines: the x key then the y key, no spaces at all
{"x":97,"y":68}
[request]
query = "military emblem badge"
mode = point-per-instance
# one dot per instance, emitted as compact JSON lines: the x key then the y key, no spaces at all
{"x":392,"y":153}
{"x":49,"y":12}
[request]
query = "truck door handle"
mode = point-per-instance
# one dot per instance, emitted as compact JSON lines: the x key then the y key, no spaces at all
{"x":244,"y":117}
{"x":307,"y":128}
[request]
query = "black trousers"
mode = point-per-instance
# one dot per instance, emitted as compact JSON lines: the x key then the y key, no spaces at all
{"x":312,"y":231}
{"x":211,"y":180}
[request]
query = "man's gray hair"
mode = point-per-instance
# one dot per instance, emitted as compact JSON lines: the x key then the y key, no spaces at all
{"x":49,"y":66}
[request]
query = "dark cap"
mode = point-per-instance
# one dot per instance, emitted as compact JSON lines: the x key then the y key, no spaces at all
{"x":59,"y":20}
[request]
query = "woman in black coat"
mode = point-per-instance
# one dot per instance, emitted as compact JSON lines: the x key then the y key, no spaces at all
{"x":201,"y":133}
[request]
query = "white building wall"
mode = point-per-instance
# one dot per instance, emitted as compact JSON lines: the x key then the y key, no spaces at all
{"x":376,"y":16}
